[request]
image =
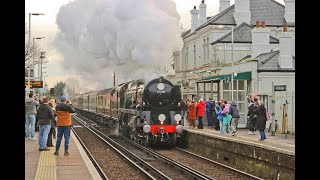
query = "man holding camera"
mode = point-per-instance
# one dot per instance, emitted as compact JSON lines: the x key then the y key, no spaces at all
{"x":63,"y":111}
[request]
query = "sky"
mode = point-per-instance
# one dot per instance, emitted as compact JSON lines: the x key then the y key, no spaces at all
{"x":90,"y":39}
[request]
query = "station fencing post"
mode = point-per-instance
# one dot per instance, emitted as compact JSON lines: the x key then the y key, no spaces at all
{"x":273,"y":133}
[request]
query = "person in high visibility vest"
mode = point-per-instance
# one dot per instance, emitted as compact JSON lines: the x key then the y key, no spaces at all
{"x":63,"y":111}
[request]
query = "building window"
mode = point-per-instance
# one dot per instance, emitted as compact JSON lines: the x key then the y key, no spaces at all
{"x":186,"y":59}
{"x":208,"y":52}
{"x":194,"y":56}
{"x":204,"y":51}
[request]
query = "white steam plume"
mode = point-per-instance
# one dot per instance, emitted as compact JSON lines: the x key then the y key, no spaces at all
{"x":129,"y":37}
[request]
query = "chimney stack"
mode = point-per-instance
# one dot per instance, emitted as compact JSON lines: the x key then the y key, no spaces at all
{"x":257,"y":24}
{"x":223,"y":4}
{"x":242,"y":11}
{"x":285,"y":57}
{"x":260,"y":40}
{"x":263,"y":24}
{"x":194,"y":18}
{"x":289,"y":11}
{"x":285,"y":28}
{"x":202,"y":13}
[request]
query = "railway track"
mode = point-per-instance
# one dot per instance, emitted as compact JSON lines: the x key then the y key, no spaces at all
{"x":94,"y":162}
{"x":151,"y":163}
{"x":165,"y":164}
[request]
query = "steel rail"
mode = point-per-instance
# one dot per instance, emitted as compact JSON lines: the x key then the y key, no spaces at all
{"x":194,"y":173}
{"x":94,"y":162}
{"x":117,"y":146}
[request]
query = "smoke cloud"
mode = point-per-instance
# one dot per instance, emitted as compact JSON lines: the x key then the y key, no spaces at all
{"x":134,"y":39}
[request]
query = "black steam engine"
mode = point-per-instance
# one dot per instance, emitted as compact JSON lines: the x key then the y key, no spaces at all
{"x":147,"y":113}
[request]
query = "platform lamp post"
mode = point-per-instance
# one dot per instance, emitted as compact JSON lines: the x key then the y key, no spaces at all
{"x":34,"y":53}
{"x":232,"y":63}
{"x":42,"y":56}
{"x":29,"y":49}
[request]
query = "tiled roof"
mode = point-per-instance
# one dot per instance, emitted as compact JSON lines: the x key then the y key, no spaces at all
{"x":185,"y":33}
{"x":241,"y":34}
{"x":270,"y":11}
{"x":225,"y":17}
{"x":269,"y":62}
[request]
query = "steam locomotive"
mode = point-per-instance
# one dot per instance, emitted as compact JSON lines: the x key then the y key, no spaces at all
{"x":147,"y":112}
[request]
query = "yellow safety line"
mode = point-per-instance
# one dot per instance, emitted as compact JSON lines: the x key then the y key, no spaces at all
{"x":46,"y":168}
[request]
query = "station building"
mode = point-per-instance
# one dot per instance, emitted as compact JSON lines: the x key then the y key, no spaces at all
{"x":247,"y":48}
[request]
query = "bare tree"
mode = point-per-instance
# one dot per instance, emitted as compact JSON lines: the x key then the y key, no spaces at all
{"x":33,"y":50}
{"x":73,"y":88}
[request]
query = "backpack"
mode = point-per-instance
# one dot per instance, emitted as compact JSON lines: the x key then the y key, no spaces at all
{"x":267,"y":115}
{"x":211,"y":108}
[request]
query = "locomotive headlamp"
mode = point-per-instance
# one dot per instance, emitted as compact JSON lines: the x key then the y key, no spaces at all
{"x":177,"y":117}
{"x":160,"y":86}
{"x":161,"y":117}
{"x":179,"y":129}
{"x":146,"y":128}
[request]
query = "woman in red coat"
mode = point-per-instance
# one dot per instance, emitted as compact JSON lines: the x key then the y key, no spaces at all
{"x":192,"y":114}
{"x":201,"y":106}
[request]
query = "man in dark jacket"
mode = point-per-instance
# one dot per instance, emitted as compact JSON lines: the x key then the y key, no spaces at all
{"x":183,"y":108}
{"x":30,"y":122}
{"x":252,"y":118}
{"x":63,"y":111}
{"x":45,"y":115}
{"x":260,"y":112}
{"x":210,"y":105}
{"x":234,"y":111}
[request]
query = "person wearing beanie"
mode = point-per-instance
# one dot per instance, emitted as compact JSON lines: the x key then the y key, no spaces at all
{"x":63,"y":111}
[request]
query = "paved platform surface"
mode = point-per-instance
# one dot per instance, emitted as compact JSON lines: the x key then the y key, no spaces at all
{"x":43,"y":165}
{"x":279,"y":142}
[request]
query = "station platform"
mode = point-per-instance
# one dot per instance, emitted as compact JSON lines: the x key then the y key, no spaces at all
{"x":44,"y":165}
{"x":278,"y":143}
{"x":273,"y":158}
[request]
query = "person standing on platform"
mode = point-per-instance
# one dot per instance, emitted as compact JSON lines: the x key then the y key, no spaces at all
{"x":30,"y":120}
{"x":45,"y":116}
{"x":54,"y":103}
{"x":192,"y":114}
{"x":226,"y":112}
{"x":53,"y":125}
{"x":234,"y":111}
{"x":200,"y":109}
{"x":183,"y":108}
{"x":252,"y":118}
{"x":210,"y":105}
{"x":64,"y":124}
{"x":219,"y":116}
{"x":260,"y":112}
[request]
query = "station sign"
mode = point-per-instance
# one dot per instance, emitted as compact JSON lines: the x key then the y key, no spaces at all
{"x":34,"y":84}
{"x":227,"y":79}
{"x":280,"y":87}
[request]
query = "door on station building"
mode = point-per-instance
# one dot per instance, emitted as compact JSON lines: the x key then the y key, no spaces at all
{"x":239,"y":95}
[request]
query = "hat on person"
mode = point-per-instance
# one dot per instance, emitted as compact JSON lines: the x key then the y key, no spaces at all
{"x":63,"y":98}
